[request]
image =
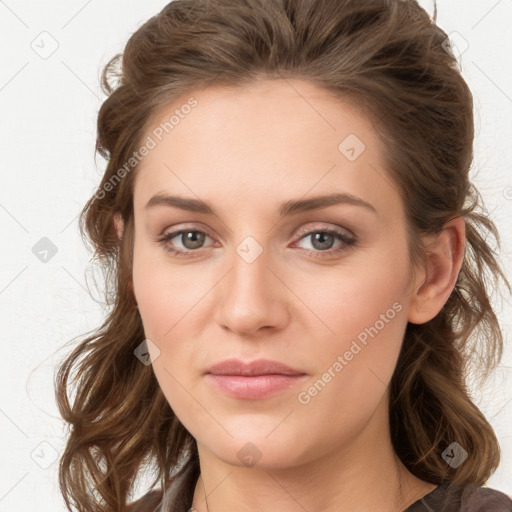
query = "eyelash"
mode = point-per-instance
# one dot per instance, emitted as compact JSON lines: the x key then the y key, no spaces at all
{"x":348,"y":242}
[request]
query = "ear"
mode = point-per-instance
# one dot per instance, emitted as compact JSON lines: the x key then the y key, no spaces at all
{"x":444,"y":261}
{"x":119,"y":225}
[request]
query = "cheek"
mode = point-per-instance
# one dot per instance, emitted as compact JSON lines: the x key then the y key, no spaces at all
{"x":370,"y":294}
{"x":168,"y":299}
{"x":354,"y":366}
{"x":167,"y":295}
{"x":364,"y":315}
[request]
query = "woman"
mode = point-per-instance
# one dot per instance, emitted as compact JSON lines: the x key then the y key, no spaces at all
{"x":298,"y":264}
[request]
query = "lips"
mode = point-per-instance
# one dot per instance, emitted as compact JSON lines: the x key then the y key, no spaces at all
{"x":253,"y":368}
{"x":253,"y":381}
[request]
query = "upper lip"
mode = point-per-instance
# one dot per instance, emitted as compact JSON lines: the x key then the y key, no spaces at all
{"x":252,"y":368}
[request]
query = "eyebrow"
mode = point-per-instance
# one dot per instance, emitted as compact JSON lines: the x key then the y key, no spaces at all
{"x":288,"y":208}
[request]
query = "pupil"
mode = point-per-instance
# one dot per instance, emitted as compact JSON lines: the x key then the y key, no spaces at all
{"x":192,"y":239}
{"x":321,"y":238}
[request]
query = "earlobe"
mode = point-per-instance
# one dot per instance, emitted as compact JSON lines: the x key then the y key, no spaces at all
{"x":119,"y":225}
{"x":443,"y":263}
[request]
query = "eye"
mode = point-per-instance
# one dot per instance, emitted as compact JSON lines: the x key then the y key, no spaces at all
{"x":322,"y":241}
{"x":191,"y":240}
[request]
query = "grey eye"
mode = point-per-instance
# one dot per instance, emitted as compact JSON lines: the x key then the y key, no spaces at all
{"x":192,"y":239}
{"x":322,"y":240}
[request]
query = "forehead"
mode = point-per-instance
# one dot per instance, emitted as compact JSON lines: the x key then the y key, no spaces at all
{"x":271,"y":138}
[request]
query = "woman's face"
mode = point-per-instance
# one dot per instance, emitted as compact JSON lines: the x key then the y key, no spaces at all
{"x":321,"y":286}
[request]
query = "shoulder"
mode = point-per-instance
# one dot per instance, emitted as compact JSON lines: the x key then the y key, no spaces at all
{"x":176,"y":497}
{"x":485,"y":499}
{"x":148,"y":503}
{"x":462,"y":498}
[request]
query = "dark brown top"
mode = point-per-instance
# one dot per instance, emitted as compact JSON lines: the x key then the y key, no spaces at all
{"x":462,"y":498}
{"x":444,"y":498}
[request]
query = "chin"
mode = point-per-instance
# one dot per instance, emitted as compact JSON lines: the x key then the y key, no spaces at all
{"x":264,"y":447}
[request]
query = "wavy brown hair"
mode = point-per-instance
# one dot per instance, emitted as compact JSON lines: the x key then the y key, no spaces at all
{"x":393,"y":62}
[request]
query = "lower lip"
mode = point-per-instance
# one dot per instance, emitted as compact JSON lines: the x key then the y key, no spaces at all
{"x":253,"y":387}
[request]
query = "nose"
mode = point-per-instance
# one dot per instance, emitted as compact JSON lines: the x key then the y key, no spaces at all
{"x":252,"y":297}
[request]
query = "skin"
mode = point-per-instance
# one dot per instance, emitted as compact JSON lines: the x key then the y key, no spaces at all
{"x":246,"y":151}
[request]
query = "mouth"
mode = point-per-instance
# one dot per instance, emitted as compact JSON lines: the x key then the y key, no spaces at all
{"x":254,"y":380}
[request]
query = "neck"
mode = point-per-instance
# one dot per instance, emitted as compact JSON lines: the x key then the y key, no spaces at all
{"x":364,"y":474}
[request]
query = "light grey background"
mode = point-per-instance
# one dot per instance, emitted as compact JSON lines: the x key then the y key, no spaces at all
{"x":49,"y":103}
